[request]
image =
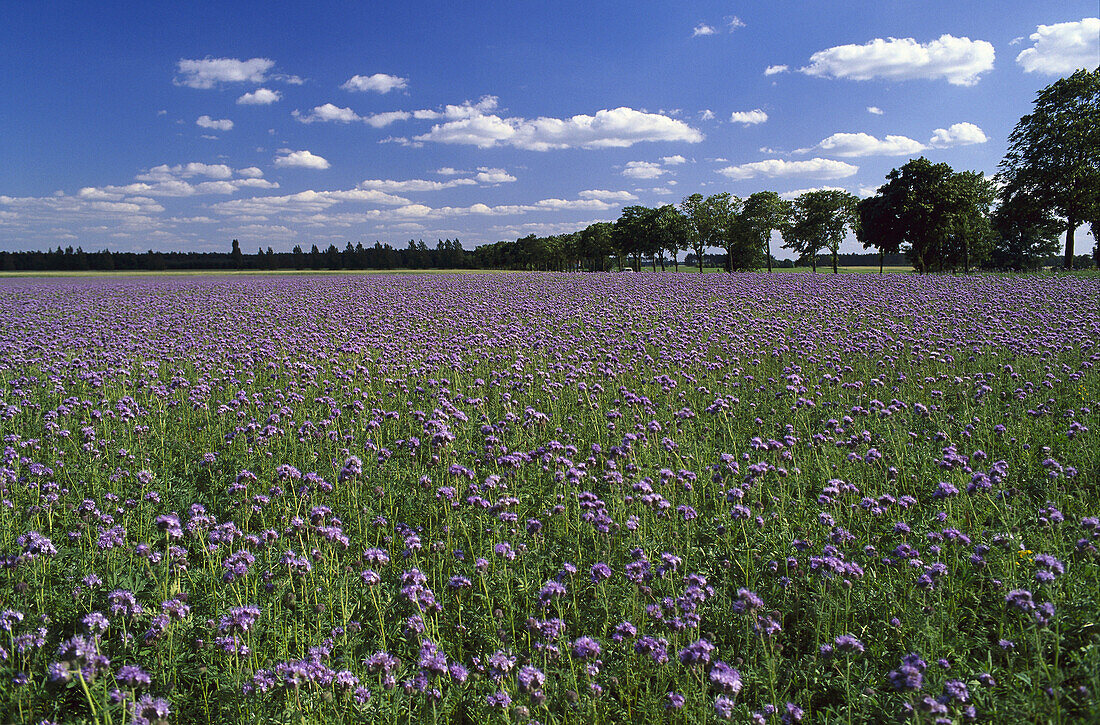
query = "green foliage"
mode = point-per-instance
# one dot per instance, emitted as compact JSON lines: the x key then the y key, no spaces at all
{"x":1054,"y":153}
{"x":819,"y":220}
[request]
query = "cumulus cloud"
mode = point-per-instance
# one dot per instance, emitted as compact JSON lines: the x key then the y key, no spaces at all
{"x":485,"y":175}
{"x":772,"y":70}
{"x":957,"y":134}
{"x":702,"y":29}
{"x":733,"y":23}
{"x":604,"y":195}
{"x":749,"y":118}
{"x":260,"y":97}
{"x":378,"y":83}
{"x":771,"y":168}
{"x":223,"y":124}
{"x":381,"y":120}
{"x":164,"y":172}
{"x":673,"y":160}
{"x":864,"y":144}
{"x":706,"y":115}
{"x":1062,"y":48}
{"x":959,"y":61}
{"x":643,"y":170}
{"x":301,"y":159}
{"x":619,"y":127}
{"x":327,"y":112}
{"x":791,"y":195}
{"x":209,"y":72}
{"x":875,"y":110}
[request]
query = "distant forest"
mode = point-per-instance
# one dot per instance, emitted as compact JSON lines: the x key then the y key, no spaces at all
{"x":446,"y":254}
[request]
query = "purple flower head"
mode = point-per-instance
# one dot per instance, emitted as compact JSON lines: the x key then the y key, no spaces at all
{"x":725,"y":678}
{"x":585,"y":648}
{"x":698,"y":652}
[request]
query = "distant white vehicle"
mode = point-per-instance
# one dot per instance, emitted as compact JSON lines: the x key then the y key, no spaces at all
{"x":628,"y":269}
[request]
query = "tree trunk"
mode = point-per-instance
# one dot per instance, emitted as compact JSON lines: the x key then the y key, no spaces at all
{"x":729,"y":260}
{"x":676,"y":259}
{"x":881,"y":259}
{"x":813,"y":262}
{"x":768,"y":251}
{"x":1070,"y":229}
{"x":966,"y":256}
{"x":700,"y":262}
{"x":653,"y":261}
{"x":834,"y":261}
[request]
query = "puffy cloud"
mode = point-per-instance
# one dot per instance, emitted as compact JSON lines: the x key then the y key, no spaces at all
{"x":772,"y":168}
{"x":328,"y":112}
{"x":164,"y":172}
{"x":301,"y":159}
{"x":772,"y":70}
{"x":1062,"y":48}
{"x":957,"y":134}
{"x":960,"y":61}
{"x":643,"y":170}
{"x":408,"y":185}
{"x":749,"y":118}
{"x":702,"y":29}
{"x":706,"y":115}
{"x":571,"y":205}
{"x":260,"y":97}
{"x":380,"y":120}
{"x":733,"y":23}
{"x":209,"y":72}
{"x":604,"y":195}
{"x":673,"y":160}
{"x":864,"y":144}
{"x":619,"y":127}
{"x":487,"y":175}
{"x":448,"y":171}
{"x":791,"y":195}
{"x":378,"y":83}
{"x":223,"y":124}
{"x":250,"y":172}
{"x":875,"y":110}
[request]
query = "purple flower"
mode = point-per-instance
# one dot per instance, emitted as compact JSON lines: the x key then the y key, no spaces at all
{"x":698,"y":652}
{"x":725,"y":678}
{"x":723,"y":707}
{"x":585,"y":648}
{"x":600,"y":572}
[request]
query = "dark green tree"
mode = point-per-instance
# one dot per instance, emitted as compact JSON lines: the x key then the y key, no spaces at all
{"x":237,"y":256}
{"x":820,"y":220}
{"x":707,"y":217}
{"x":1027,"y":232}
{"x":1054,"y":152}
{"x":764,"y":212}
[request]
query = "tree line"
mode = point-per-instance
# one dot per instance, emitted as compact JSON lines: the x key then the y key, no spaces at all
{"x":1047,"y":185}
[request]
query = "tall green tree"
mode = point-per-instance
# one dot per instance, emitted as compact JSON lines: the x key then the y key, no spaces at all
{"x":707,"y":217}
{"x":671,"y":229}
{"x":634,"y":232}
{"x":237,"y":256}
{"x":1027,"y":232}
{"x":971,"y":234}
{"x":763,"y":213}
{"x":596,"y":245}
{"x":911,"y":212}
{"x":819,"y":221}
{"x":1054,"y":152}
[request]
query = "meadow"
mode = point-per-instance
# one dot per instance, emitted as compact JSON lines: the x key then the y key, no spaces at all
{"x":550,"y":498}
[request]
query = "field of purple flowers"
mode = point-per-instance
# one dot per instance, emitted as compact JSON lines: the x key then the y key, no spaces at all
{"x":551,"y":498}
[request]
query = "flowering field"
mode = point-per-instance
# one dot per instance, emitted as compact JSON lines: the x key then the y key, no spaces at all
{"x":559,"y":498}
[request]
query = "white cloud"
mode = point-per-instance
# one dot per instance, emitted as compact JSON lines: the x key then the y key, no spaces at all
{"x":706,"y":115}
{"x":749,"y":118}
{"x":407,"y":185}
{"x":673,"y":160}
{"x":209,"y":72}
{"x":604,"y":195}
{"x":772,"y":168}
{"x":448,"y":171}
{"x":572,"y":205}
{"x":791,"y":195}
{"x":328,"y":112}
{"x":259,"y":97}
{"x":302,"y":159}
{"x":164,"y":172}
{"x":957,"y":134}
{"x":487,"y":175}
{"x":772,"y":70}
{"x":864,"y":144}
{"x":733,"y":23}
{"x":1062,"y":48}
{"x":875,"y":110}
{"x":250,"y":172}
{"x":619,"y":127}
{"x":381,"y":120}
{"x":379,"y":83}
{"x":702,"y":29}
{"x":643,"y":170}
{"x":960,"y":61}
{"x":222,"y":124}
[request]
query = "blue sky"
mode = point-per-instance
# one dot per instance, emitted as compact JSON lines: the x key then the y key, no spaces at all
{"x":184,"y":125}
